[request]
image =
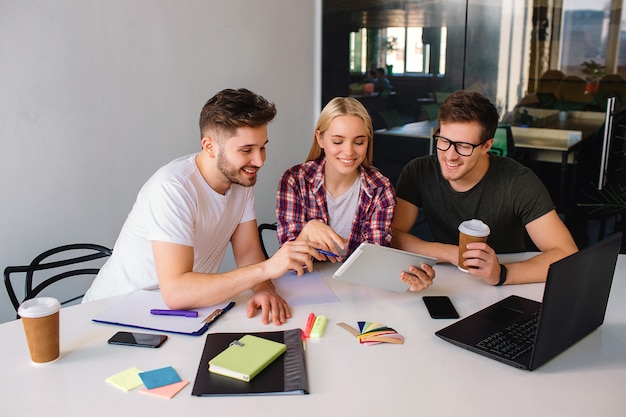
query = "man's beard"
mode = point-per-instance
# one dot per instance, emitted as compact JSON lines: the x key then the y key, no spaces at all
{"x":233,"y":174}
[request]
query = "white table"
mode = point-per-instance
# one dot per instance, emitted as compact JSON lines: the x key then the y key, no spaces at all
{"x":424,"y":377}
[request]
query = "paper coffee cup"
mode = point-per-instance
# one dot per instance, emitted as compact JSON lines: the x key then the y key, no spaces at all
{"x":471,"y":231}
{"x":40,"y":317}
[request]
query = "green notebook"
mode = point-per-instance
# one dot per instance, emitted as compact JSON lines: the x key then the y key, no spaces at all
{"x":244,"y":358}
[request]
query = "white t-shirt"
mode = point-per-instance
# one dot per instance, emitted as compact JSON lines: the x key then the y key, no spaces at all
{"x":176,"y":205}
{"x":343,"y":209}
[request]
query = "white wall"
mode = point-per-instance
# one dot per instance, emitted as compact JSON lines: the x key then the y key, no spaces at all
{"x":95,"y":95}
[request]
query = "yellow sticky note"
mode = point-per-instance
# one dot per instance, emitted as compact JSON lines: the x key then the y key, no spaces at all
{"x":126,"y":380}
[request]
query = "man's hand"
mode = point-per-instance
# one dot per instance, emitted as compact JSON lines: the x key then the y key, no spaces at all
{"x":481,"y":260}
{"x":271,"y":305}
{"x":295,"y":256}
{"x":418,"y":279}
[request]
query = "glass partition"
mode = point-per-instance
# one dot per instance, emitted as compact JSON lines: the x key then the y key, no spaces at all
{"x":500,"y":48}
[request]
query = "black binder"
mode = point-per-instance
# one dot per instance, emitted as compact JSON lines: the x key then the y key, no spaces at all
{"x":287,"y":375}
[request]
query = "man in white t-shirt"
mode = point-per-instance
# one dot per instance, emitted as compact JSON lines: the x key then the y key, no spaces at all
{"x":178,"y":230}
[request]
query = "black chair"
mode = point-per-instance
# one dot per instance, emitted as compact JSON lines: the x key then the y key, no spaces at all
{"x":59,"y":263}
{"x":263,"y":227}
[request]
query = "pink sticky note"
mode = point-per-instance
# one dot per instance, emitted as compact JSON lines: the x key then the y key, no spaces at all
{"x":166,"y":391}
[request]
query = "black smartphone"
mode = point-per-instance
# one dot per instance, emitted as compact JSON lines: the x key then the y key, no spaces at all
{"x":138,"y":339}
{"x":440,"y":307}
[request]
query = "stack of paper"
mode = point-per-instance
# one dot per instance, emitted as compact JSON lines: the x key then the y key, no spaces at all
{"x":372,"y":333}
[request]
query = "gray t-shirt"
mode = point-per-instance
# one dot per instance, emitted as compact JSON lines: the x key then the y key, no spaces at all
{"x":508,"y":197}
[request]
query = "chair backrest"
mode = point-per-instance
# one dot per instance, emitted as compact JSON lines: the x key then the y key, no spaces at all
{"x":503,"y":142}
{"x":54,"y":265}
{"x":392,"y":118}
{"x":265,"y":245}
{"x":431,"y":111}
{"x":385,"y":93}
{"x":549,"y":81}
{"x":572,"y":89}
{"x":441,"y":96}
{"x":611,"y":85}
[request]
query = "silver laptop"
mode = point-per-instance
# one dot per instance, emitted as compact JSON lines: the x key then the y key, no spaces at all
{"x":527,"y":334}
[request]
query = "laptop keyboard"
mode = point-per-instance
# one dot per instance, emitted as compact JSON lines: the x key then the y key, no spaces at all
{"x":515,"y":340}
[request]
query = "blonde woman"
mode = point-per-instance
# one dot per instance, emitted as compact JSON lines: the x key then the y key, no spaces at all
{"x":337,"y":199}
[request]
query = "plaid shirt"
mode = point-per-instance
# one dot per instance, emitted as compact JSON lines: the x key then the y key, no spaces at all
{"x":301,"y":197}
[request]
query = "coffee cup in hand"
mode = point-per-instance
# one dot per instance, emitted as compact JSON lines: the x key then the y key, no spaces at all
{"x":470,"y":231}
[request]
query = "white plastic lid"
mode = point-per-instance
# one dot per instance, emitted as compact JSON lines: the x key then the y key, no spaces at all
{"x":474,"y":227}
{"x":38,"y":307}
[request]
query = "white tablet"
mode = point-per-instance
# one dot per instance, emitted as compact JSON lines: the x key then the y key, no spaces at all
{"x":379,"y":266}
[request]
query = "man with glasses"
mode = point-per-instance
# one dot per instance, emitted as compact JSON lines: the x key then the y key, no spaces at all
{"x":462,"y":182}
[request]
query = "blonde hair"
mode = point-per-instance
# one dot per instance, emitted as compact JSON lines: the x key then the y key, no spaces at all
{"x":342,"y":106}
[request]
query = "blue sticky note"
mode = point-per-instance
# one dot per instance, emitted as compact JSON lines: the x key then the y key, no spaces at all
{"x":159,"y":377}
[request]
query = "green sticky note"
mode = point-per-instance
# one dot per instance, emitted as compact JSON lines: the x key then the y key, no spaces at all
{"x":126,"y":380}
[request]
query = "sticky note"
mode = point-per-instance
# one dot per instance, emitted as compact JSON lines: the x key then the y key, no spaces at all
{"x":166,"y":391}
{"x":159,"y":377}
{"x":126,"y":380}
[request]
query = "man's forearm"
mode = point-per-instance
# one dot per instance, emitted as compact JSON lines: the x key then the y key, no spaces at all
{"x":408,"y":242}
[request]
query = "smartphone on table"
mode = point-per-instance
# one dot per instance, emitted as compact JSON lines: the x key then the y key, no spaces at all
{"x":138,"y":339}
{"x":440,"y":307}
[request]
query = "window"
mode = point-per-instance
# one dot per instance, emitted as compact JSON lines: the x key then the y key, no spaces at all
{"x":358,"y":51}
{"x":400,"y":49}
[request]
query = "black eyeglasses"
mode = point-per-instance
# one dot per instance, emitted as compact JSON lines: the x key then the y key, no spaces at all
{"x":462,"y":148}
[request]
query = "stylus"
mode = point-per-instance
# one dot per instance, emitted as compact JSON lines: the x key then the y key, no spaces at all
{"x":323,"y":252}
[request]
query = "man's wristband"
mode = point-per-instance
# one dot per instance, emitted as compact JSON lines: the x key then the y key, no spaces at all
{"x":502,"y":275}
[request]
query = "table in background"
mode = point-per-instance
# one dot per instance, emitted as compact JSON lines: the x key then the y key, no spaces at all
{"x":396,"y":146}
{"x":554,"y":140}
{"x":425,"y":376}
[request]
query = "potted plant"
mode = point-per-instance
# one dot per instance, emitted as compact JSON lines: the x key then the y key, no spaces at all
{"x":593,"y":71}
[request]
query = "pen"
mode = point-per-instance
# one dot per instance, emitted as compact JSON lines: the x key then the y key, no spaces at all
{"x":180,"y":313}
{"x":324,"y":252}
{"x":309,"y":325}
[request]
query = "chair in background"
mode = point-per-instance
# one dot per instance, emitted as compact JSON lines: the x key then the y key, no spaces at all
{"x":431,"y":111}
{"x":264,"y":245}
{"x":570,"y":94}
{"x":385,"y":93}
{"x":547,"y":88}
{"x":441,"y":96}
{"x":392,"y":118}
{"x":611,"y":85}
{"x":503,"y":142}
{"x":54,"y":265}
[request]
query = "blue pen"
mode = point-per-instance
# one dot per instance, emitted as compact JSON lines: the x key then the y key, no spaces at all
{"x":180,"y":313}
{"x":323,"y":252}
